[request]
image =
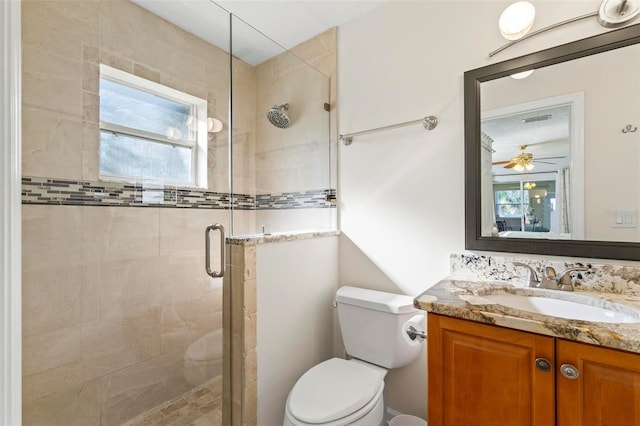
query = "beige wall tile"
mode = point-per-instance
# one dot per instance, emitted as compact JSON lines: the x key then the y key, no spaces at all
{"x":90,"y":151}
{"x":249,"y":262}
{"x":250,"y":405}
{"x":182,"y":231}
{"x":250,"y":300}
{"x":90,"y":77}
{"x":90,"y":107}
{"x":74,"y":406}
{"x":116,"y":61}
{"x":51,"y":144}
{"x":134,"y":33}
{"x":48,"y":382}
{"x":235,"y":255}
{"x":60,"y":27}
{"x":91,"y":297}
{"x":139,"y":388}
{"x":116,"y":233}
{"x":184,"y":278}
{"x":250,"y":331}
{"x":146,"y":73}
{"x":51,"y":82}
{"x":107,"y":346}
{"x":128,"y":286}
{"x":52,"y":299}
{"x":113,"y":344}
{"x":250,"y":366}
{"x":178,"y":330}
{"x":51,"y":237}
{"x":90,"y":54}
{"x":51,"y":350}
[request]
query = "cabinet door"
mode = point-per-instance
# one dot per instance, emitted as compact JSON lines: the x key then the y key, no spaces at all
{"x":606,"y":390}
{"x":483,"y":375}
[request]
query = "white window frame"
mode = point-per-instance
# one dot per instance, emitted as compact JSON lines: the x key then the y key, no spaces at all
{"x":198,"y":146}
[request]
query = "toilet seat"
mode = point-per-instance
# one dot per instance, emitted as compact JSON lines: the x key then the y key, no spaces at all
{"x":335,"y":392}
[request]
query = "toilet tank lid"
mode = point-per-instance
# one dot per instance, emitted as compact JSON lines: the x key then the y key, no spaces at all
{"x":373,"y":299}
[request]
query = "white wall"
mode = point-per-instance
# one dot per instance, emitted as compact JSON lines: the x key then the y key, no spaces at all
{"x":296,"y":284}
{"x":401,"y":193}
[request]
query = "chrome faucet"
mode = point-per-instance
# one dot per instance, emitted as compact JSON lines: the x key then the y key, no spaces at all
{"x":551,"y":280}
{"x":532,"y":275}
{"x":562,"y":281}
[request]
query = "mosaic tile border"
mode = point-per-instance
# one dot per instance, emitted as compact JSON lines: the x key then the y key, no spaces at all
{"x":65,"y":192}
{"x":321,"y":198}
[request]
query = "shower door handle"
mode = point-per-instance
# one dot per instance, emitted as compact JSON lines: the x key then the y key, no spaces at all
{"x":207,"y":249}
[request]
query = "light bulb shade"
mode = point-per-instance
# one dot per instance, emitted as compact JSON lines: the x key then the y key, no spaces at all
{"x":521,"y":75}
{"x":213,"y":125}
{"x":518,"y":167}
{"x":517,"y":20}
{"x":529,"y":166}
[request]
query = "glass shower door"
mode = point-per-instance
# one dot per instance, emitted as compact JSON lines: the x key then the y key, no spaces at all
{"x":121,"y":324}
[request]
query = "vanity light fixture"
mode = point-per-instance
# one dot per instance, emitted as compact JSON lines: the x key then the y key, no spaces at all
{"x":529,"y":185}
{"x":611,"y":14}
{"x":517,"y":20}
{"x":521,"y":75}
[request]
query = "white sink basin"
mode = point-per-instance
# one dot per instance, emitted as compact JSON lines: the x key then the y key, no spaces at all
{"x":563,"y":308}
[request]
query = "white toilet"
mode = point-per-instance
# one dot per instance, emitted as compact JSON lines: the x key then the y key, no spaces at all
{"x":203,"y":358}
{"x":350,"y":392}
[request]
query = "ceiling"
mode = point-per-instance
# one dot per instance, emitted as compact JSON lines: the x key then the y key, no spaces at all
{"x":287,"y":23}
{"x":544,"y":132}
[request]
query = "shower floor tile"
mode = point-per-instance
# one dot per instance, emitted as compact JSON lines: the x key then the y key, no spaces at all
{"x":201,"y":406}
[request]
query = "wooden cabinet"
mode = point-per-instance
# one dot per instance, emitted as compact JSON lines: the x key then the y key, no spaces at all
{"x":484,"y":375}
{"x":606,"y":391}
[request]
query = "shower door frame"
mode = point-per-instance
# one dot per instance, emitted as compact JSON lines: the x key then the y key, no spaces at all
{"x":10,"y":212}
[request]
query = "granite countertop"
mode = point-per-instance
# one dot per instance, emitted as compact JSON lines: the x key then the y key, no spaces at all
{"x":463,"y":298}
{"x":250,"y":240}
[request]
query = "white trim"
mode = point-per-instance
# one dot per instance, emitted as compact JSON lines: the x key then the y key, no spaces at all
{"x":199,"y":146}
{"x":119,"y":76}
{"x":10,"y":215}
{"x":576,"y":102}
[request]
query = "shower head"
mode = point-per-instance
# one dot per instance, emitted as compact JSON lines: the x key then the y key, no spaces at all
{"x":278,"y":116}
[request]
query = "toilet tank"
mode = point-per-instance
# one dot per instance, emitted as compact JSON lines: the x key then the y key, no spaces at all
{"x":373,"y":326}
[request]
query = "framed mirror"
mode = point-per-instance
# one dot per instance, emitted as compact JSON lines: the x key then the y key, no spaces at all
{"x":552,"y":160}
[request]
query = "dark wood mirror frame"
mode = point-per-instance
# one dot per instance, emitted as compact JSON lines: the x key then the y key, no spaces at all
{"x":472,"y":80}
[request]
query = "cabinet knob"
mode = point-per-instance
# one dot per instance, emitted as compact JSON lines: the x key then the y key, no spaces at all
{"x":543,"y":365}
{"x":569,"y":371}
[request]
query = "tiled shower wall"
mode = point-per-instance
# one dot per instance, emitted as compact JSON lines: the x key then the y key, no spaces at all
{"x":112,"y":296}
{"x":287,"y":159}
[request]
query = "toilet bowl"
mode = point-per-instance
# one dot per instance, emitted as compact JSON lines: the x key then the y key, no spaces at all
{"x":337,"y":392}
{"x":203,"y":358}
{"x":340,"y":392}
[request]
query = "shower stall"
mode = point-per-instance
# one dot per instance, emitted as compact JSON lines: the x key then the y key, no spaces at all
{"x":139,"y":131}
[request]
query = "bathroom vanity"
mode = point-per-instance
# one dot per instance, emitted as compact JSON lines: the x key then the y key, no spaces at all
{"x":492,"y":364}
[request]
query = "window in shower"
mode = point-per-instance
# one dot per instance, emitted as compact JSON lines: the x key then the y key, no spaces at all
{"x":150,"y":132}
